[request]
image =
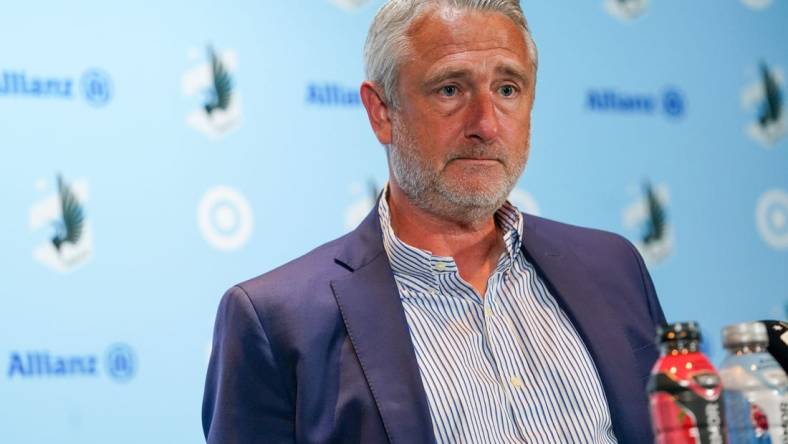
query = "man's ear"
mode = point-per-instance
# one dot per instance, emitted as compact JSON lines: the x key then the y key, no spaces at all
{"x":377,"y":110}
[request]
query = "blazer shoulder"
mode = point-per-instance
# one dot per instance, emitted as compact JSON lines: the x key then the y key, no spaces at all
{"x":612,"y":259}
{"x":603,"y":252}
{"x":300,"y":277}
{"x":576,"y":236}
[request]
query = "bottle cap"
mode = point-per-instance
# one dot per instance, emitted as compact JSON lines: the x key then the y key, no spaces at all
{"x":745,"y":333}
{"x":678,"y":331}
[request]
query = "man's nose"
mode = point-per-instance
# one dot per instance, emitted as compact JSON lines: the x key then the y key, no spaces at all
{"x":482,"y":118}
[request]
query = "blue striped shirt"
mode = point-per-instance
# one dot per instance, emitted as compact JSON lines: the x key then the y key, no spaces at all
{"x":506,"y":368}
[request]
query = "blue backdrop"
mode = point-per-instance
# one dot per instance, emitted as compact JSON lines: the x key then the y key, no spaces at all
{"x":662,"y":121}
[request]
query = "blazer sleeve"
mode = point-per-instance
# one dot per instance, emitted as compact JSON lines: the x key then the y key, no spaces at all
{"x":654,"y":307}
{"x":244,"y":400}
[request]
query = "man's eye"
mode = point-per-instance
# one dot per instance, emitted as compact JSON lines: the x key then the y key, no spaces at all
{"x":449,"y":91}
{"x":507,"y":90}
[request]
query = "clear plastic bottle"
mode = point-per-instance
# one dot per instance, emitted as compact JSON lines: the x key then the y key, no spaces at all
{"x":756,"y":387}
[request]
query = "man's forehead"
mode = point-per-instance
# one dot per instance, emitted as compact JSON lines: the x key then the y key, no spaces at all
{"x":449,"y":32}
{"x":444,"y":44}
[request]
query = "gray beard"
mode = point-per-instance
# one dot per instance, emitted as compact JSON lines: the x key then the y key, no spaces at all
{"x":427,"y":190}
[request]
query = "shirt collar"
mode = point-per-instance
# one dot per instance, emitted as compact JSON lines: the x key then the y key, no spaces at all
{"x":423,"y":266}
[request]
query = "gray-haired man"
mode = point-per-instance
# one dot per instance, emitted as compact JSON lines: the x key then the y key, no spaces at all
{"x":447,"y":315}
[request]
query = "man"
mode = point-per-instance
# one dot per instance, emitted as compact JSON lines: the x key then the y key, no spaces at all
{"x":447,"y":315}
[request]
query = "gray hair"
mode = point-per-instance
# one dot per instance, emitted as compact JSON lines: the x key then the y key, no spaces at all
{"x":387,"y":40}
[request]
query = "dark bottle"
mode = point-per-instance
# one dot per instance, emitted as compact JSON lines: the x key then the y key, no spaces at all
{"x":685,"y":391}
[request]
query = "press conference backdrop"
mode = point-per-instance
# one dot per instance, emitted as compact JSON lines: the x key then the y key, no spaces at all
{"x":155,"y":153}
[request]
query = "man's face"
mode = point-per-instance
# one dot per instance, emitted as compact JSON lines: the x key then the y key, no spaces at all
{"x":460,"y":136}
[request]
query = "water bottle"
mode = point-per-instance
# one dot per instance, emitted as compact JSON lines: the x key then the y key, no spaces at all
{"x":756,"y":387}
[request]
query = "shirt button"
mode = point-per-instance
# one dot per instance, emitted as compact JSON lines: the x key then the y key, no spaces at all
{"x":516,"y":382}
{"x":433,"y":291}
{"x":440,"y":266}
{"x":487,"y":311}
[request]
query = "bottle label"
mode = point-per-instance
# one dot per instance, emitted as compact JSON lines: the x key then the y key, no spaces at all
{"x":686,"y":401}
{"x":747,"y":422}
{"x":756,"y":399}
{"x":756,"y":418}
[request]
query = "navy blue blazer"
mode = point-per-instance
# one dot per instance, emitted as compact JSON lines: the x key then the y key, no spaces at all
{"x":318,"y":350}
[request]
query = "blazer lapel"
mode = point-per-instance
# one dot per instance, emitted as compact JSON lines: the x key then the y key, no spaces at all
{"x":375,"y":321}
{"x":573,"y":287}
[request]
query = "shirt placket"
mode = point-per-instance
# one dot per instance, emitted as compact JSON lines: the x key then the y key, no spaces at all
{"x":495,"y":327}
{"x":446,"y":266}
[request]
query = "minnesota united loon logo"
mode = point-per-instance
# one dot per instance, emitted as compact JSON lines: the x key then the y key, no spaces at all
{"x":71,"y":244}
{"x":766,"y":99}
{"x":220,"y":93}
{"x":655,"y":223}
{"x":69,"y":228}
{"x":220,"y":112}
{"x":772,"y":107}
{"x":648,"y":213}
{"x":626,"y":10}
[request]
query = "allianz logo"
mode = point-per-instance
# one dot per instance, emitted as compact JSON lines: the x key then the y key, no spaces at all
{"x":332,"y":94}
{"x":20,"y":84}
{"x":670,"y":102}
{"x":118,"y":363}
{"x":43,"y":363}
{"x":94,"y":85}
